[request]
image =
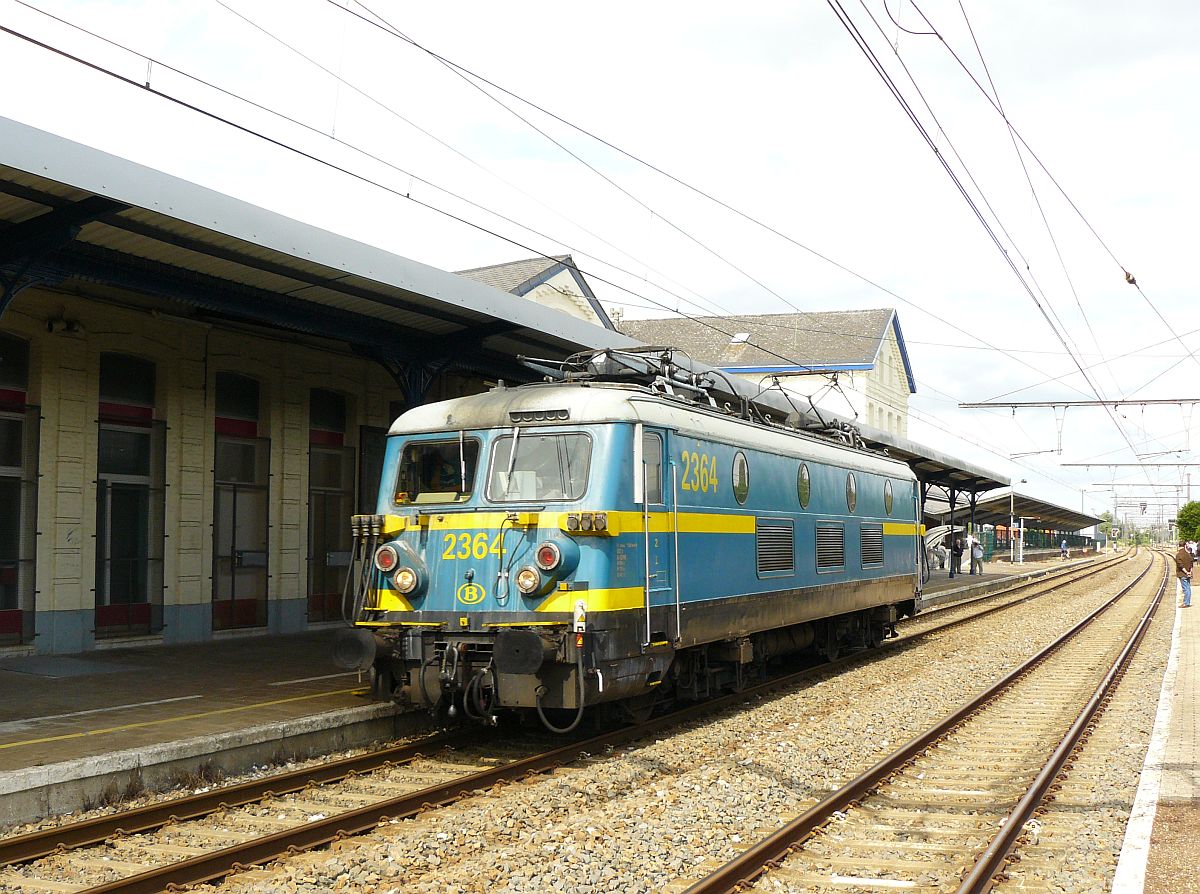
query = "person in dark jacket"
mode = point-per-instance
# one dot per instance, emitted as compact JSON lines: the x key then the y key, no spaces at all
{"x":1183,"y":571}
{"x":956,"y":551}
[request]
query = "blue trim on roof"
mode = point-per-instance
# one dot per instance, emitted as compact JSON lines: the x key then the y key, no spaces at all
{"x":799,"y":367}
{"x":908,"y":373}
{"x":569,"y":265}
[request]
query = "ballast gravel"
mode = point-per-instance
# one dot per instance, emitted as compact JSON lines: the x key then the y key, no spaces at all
{"x":646,"y":816}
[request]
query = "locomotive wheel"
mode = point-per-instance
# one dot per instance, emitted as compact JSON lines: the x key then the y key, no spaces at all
{"x":383,"y":683}
{"x":875,"y":634}
{"x":630,"y":710}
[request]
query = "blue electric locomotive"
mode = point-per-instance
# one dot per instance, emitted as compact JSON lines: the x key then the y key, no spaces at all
{"x":555,"y":546}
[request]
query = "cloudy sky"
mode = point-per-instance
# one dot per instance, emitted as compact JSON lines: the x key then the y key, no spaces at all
{"x":772,"y":108}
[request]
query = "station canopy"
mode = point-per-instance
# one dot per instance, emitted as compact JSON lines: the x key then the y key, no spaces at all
{"x":933,"y":467}
{"x":1038,"y":514}
{"x":76,"y":218}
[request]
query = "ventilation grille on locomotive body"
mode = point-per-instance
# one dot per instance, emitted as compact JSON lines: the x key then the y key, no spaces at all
{"x":776,"y":545}
{"x":831,"y":547}
{"x":871,"y":545}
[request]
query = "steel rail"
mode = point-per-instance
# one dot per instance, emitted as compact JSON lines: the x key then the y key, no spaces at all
{"x":980,"y":877}
{"x":42,"y":843}
{"x":34,"y":845}
{"x":767,"y":853}
{"x":217,"y":864}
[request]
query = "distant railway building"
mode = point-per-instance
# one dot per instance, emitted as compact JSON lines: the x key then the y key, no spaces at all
{"x":864,"y":349}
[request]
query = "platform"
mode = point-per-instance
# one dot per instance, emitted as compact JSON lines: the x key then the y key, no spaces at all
{"x":1161,"y":852}
{"x":75,"y":729}
{"x":942,"y":589}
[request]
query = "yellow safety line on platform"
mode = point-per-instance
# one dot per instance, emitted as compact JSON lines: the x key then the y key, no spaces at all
{"x":197,"y":715}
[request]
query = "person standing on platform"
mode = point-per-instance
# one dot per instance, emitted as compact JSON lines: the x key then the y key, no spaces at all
{"x":976,"y":556}
{"x":1063,"y":552}
{"x":956,"y":551}
{"x":1183,"y":570}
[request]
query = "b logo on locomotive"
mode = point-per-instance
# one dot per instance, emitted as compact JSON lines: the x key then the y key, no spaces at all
{"x":471,"y":594}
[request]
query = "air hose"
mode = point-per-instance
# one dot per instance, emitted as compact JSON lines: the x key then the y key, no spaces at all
{"x":578,"y":714}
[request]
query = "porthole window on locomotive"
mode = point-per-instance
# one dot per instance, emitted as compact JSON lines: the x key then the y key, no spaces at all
{"x":888,"y":501}
{"x":803,"y":486}
{"x":741,"y":478}
{"x":851,"y":491}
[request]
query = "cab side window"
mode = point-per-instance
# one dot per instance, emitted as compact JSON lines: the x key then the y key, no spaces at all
{"x":652,"y":458}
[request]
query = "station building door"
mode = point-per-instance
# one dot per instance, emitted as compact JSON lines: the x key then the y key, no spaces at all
{"x":241,"y":515}
{"x":330,"y":504}
{"x":129,"y":500}
{"x":18,"y":493}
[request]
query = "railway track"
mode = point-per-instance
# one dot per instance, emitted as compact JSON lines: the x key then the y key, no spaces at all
{"x":946,"y":810}
{"x":204,"y":837}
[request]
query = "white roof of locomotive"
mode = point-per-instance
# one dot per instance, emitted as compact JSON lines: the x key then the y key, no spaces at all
{"x":600,"y":403}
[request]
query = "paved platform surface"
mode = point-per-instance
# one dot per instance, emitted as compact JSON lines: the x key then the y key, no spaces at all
{"x":62,"y":708}
{"x":1173,"y":866}
{"x":1161,"y":851}
{"x":940,"y":579}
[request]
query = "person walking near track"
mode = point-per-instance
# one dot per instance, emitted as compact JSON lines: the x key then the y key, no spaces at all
{"x":1183,"y":571}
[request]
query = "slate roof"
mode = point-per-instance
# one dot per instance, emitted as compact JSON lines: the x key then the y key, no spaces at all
{"x":846,"y":339}
{"x":519,"y":277}
{"x":512,"y":275}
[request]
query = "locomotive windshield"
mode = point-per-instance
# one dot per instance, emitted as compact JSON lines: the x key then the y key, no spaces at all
{"x":437,"y":471}
{"x":546,"y":467}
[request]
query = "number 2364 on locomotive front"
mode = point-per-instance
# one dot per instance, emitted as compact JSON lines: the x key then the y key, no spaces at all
{"x":551,"y":547}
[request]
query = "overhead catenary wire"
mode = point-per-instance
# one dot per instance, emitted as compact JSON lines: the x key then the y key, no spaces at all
{"x":1135,"y":352}
{"x":940,"y":318}
{"x":313,"y":157}
{"x":452,"y":66}
{"x":864,"y":46}
{"x":388,"y":108}
{"x":1128,"y":276}
{"x":279,"y":143}
{"x":971,"y":178}
{"x":1032,"y":189}
{"x":339,"y":167}
{"x":391,"y":110}
{"x":327,"y":163}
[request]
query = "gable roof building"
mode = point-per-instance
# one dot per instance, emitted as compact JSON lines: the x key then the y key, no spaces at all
{"x":863,"y":350}
{"x":553,"y":282}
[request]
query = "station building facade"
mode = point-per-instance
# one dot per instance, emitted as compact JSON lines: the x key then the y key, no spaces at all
{"x":166,"y":478}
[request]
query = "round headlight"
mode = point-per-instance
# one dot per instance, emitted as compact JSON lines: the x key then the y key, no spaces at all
{"x":601,"y":521}
{"x":548,"y":556}
{"x":528,"y":580}
{"x":386,"y":558}
{"x":405,"y":580}
{"x":585,"y":521}
{"x":572,"y":522}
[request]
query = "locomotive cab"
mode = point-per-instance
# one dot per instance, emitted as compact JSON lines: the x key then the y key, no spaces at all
{"x":466,"y":597}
